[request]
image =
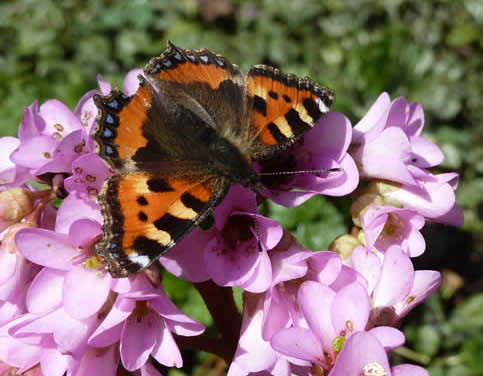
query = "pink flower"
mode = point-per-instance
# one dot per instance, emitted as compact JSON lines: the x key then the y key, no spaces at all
{"x":395,"y":288}
{"x":231,"y":255}
{"x":387,"y":145}
{"x":142,"y":320}
{"x":372,"y":361}
{"x":386,"y":225}
{"x":323,"y":147}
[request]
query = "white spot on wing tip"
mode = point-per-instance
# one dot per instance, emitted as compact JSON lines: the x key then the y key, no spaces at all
{"x":322,"y":107}
{"x":142,"y":260}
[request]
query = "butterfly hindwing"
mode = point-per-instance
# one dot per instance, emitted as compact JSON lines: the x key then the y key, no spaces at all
{"x":145,"y":215}
{"x":284,"y":107}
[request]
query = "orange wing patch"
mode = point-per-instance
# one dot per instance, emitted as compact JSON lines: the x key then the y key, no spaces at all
{"x":284,"y":106}
{"x":145,"y":215}
{"x":188,"y":67}
{"x":119,"y":131}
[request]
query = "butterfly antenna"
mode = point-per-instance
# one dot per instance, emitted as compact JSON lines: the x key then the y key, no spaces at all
{"x":314,"y":172}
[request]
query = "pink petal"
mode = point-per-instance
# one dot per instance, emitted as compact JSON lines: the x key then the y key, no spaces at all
{"x":324,"y":267}
{"x":138,"y":338}
{"x":186,"y":259}
{"x":166,"y":350}
{"x":66,"y":151}
{"x":149,"y":370}
{"x":331,"y":134}
{"x":268,"y":231}
{"x":386,"y":157}
{"x":103,"y":85}
{"x":390,"y":338}
{"x":368,"y":265}
{"x":373,"y":122}
{"x":351,"y":360}
{"x":409,"y":370}
{"x":45,"y":292}
{"x":346,"y":277}
{"x":315,"y":301}
{"x":398,"y":113}
{"x":46,"y":248}
{"x":71,"y":335}
{"x":424,"y":153}
{"x":433,"y":200}
{"x":83,"y":232}
{"x":34,"y":152}
{"x":251,"y":344}
{"x":454,"y":217}
{"x":177,"y":321}
{"x":131,"y":81}
{"x":32,"y":123}
{"x":7,"y":167}
{"x":396,"y":278}
{"x":261,"y":278}
{"x":109,"y":331}
{"x":350,"y":309}
{"x":8,"y":261}
{"x":53,"y":363}
{"x":85,"y":291}
{"x":338,"y":183}
{"x":425,"y":283}
{"x":415,"y":120}
{"x":288,"y":260}
{"x":99,"y":362}
{"x":275,"y":314}
{"x":298,"y":343}
{"x":56,"y":113}
{"x":230,"y":267}
{"x":75,"y":207}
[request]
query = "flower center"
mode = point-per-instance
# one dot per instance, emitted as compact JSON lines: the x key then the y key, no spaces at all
{"x":141,"y":310}
{"x":238,"y":230}
{"x":373,"y":369}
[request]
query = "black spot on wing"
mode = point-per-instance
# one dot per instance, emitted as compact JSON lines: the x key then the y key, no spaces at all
{"x":273,"y":95}
{"x":149,"y":247}
{"x":159,"y":185}
{"x":142,"y":216}
{"x":174,"y":226}
{"x":141,"y":200}
{"x":192,"y":202}
{"x":260,"y":105}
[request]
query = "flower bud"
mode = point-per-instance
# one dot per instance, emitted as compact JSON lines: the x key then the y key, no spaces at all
{"x":343,"y":245}
{"x":15,"y":204}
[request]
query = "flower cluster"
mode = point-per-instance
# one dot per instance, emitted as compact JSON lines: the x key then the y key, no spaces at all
{"x":333,"y":312}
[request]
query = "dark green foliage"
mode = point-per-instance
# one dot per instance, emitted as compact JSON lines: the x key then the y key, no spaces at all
{"x":429,"y":51}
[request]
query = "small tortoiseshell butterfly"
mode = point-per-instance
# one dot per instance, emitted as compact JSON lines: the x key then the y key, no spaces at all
{"x":194,"y":126}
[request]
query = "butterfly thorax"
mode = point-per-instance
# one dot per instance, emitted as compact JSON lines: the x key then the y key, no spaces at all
{"x":230,"y":163}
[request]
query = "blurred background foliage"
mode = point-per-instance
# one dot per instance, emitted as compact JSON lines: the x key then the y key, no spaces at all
{"x":429,"y":51}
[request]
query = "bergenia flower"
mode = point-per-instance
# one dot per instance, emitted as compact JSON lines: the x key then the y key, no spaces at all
{"x":323,"y":147}
{"x":393,"y":284}
{"x":386,"y":225}
{"x":372,"y":361}
{"x":142,"y":321}
{"x":387,"y":144}
{"x":235,"y":250}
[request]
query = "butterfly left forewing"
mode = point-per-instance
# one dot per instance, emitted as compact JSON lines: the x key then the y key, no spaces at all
{"x":146,"y":214}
